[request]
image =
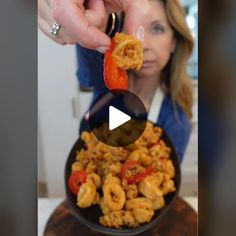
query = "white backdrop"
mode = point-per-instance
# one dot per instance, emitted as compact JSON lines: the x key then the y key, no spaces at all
{"x":57,"y":128}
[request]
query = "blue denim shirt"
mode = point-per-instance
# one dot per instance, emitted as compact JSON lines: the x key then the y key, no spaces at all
{"x":172,"y":120}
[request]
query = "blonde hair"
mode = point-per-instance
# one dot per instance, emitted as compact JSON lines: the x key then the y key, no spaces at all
{"x":175,"y":80}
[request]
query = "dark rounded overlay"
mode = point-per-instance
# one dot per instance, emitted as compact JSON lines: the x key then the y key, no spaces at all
{"x":121,"y":104}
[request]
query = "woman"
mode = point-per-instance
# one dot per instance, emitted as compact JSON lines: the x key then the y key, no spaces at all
{"x":162,"y":83}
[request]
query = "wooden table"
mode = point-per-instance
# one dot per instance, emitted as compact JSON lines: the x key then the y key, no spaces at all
{"x":180,"y":220}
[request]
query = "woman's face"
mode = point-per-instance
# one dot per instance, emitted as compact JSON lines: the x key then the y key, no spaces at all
{"x":159,"y":41}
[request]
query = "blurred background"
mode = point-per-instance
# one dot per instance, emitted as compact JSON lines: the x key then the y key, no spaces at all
{"x":62,"y":103}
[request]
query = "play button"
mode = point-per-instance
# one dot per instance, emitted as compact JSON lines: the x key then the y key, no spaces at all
{"x":117,"y":118}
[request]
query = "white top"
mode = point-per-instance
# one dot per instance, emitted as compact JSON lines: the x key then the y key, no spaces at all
{"x":156,"y":105}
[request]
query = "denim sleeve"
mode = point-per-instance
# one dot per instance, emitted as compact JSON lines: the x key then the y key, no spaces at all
{"x":177,"y":126}
{"x":90,"y":67}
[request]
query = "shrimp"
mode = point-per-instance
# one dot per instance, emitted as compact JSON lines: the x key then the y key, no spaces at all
{"x":169,"y":168}
{"x":168,"y":186}
{"x":140,"y":202}
{"x":148,"y":187}
{"x":96,"y":179}
{"x":158,"y":203}
{"x":142,"y":209}
{"x":105,"y":209}
{"x":114,"y":196}
{"x":143,"y":215}
{"x":96,"y":200}
{"x":86,"y":195}
{"x":165,"y":166}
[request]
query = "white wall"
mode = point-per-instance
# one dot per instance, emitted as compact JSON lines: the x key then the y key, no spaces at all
{"x":57,"y":128}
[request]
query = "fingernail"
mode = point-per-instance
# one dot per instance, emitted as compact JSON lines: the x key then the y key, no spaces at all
{"x":87,"y":116}
{"x":140,"y":33}
{"x":102,"y":49}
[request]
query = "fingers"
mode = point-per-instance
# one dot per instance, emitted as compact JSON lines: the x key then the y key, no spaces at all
{"x":45,"y":28}
{"x":136,"y":12}
{"x":96,"y":13}
{"x":45,"y":21}
{"x":72,"y":16}
{"x":80,"y":25}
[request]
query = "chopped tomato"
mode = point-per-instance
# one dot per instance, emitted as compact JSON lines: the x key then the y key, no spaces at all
{"x":126,"y":168}
{"x":114,"y":77}
{"x":133,"y":179}
{"x":76,"y":178}
{"x":146,"y":172}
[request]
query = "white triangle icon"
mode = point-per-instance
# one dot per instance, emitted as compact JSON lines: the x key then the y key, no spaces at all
{"x":117,"y":118}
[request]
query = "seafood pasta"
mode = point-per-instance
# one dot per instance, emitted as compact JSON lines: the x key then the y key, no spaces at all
{"x":128,"y":183}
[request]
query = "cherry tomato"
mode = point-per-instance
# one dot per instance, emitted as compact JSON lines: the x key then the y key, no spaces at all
{"x":114,"y":77}
{"x":75,"y":179}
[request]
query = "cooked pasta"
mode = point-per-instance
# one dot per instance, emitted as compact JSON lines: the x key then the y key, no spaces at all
{"x":128,"y":183}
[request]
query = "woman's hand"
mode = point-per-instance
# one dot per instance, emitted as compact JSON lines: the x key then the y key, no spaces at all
{"x":82,"y":21}
{"x":78,"y":25}
{"x":135,"y":13}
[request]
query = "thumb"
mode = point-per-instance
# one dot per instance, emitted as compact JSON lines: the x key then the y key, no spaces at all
{"x":96,"y":13}
{"x":71,"y":16}
{"x":136,"y":13}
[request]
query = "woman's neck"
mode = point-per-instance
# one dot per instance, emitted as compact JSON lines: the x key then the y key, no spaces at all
{"x":144,"y":88}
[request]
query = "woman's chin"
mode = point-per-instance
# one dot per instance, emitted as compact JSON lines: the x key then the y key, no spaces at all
{"x":146,"y":72}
